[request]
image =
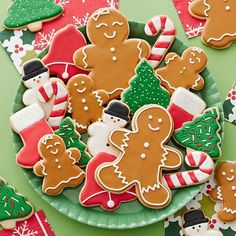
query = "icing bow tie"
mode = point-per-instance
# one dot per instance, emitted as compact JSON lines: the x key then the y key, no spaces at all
{"x":100,"y":12}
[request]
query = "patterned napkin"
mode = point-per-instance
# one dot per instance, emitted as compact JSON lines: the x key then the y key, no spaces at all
{"x":22,"y":45}
{"x":192,"y":26}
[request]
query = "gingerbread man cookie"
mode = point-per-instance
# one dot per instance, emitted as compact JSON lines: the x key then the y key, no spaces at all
{"x":225,"y":192}
{"x":220,"y":28}
{"x":143,"y":151}
{"x":111,"y":57}
{"x":183,"y":71}
{"x":85,"y":103}
{"x":58,"y":165}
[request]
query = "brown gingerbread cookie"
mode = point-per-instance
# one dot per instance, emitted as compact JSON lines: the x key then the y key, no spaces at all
{"x":58,"y":165}
{"x":111,"y":57}
{"x":225,"y":191}
{"x":85,"y":103}
{"x":220,"y":28}
{"x":144,"y":156}
{"x":183,"y":71}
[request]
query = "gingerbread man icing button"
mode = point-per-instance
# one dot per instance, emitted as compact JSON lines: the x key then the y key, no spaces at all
{"x":111,"y":57}
{"x":220,"y":28}
{"x":143,"y":151}
{"x":225,"y":191}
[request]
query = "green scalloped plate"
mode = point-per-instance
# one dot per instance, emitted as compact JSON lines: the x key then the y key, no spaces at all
{"x":131,"y":214}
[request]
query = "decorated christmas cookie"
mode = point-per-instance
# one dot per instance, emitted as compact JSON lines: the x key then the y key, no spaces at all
{"x":71,"y":139}
{"x":31,"y":125}
{"x":85,"y":103}
{"x":183,"y":71}
{"x":31,"y":14}
{"x":220,"y":28}
{"x":143,"y":151}
{"x":225,"y":191}
{"x":93,"y":195}
{"x":13,"y":206}
{"x":50,"y":93}
{"x":196,"y":224}
{"x":59,"y":59}
{"x":58,"y":165}
{"x":108,"y":31}
{"x":144,"y":88}
{"x":202,"y":133}
{"x":114,"y":116}
{"x":184,"y":105}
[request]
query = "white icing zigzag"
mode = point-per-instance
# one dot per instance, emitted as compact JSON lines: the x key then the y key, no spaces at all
{"x":196,"y":82}
{"x":84,"y":58}
{"x":120,"y":176}
{"x":125,"y":144}
{"x":219,"y":194}
{"x":79,"y":125}
{"x":164,"y":157}
{"x":99,"y":99}
{"x":140,"y":50}
{"x":228,"y":210}
{"x":69,"y":110}
{"x":197,"y":49}
{"x":207,"y":9}
{"x":71,"y":157}
{"x":171,"y":59}
{"x":150,"y":188}
{"x":224,"y":35}
{"x":48,"y":137}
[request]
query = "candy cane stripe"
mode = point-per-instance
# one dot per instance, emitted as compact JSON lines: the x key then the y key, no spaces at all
{"x":181,"y":179}
{"x":152,"y":28}
{"x":61,"y":100}
{"x":193,"y":177}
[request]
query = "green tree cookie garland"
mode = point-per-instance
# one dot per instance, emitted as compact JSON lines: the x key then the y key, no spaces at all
{"x":31,"y":14}
{"x":13,"y":206}
{"x":72,"y":139}
{"x":202,"y":133}
{"x":144,"y":88}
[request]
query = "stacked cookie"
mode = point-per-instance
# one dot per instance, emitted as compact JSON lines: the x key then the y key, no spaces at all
{"x":109,"y":112}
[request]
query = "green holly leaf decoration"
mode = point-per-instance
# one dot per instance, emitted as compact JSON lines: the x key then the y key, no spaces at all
{"x":202,"y":133}
{"x":227,"y":232}
{"x":72,"y":139}
{"x":12,"y":205}
{"x":173,"y":229}
{"x":144,"y":88}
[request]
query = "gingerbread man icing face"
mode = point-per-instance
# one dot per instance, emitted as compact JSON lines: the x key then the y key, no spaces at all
{"x":226,"y":174}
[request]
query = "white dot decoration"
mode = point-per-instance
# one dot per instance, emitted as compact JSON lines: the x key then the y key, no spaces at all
{"x":235,"y":195}
{"x":75,"y":84}
{"x":82,"y":82}
{"x":228,"y":8}
{"x":146,"y":144}
{"x":233,"y":188}
{"x":231,"y":171}
{"x":84,"y":100}
{"x":150,"y":117}
{"x":110,"y":203}
{"x":65,"y":75}
{"x":114,"y":58}
{"x":223,"y":173}
{"x":56,"y":160}
{"x":112,"y":49}
{"x":59,"y":167}
{"x":143,"y":155}
{"x":86,"y":108}
{"x":159,"y":120}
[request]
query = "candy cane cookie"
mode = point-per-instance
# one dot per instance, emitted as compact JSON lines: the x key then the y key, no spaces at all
{"x":164,"y":41}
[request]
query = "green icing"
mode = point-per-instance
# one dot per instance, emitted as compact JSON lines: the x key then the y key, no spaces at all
{"x":72,"y":139}
{"x":12,"y":205}
{"x":145,"y":89}
{"x":202,"y":133}
{"x":23,"y":12}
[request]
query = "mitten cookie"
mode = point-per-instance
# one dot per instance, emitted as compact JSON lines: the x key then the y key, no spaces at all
{"x":85,"y":103}
{"x":225,"y":191}
{"x":183,"y":71}
{"x":31,"y":14}
{"x":13,"y":206}
{"x":58,"y":165}
{"x":143,"y":151}
{"x":220,"y":28}
{"x":111,"y":57}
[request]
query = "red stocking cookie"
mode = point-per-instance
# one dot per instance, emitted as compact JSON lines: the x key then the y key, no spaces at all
{"x":143,"y":151}
{"x":30,"y":124}
{"x":225,"y":192}
{"x":59,"y":59}
{"x":220,"y":28}
{"x":111,"y":57}
{"x":183,"y":71}
{"x":58,"y":167}
{"x":85,"y":103}
{"x":93,"y":195}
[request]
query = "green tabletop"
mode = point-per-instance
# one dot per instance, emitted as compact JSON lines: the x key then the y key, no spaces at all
{"x":221,"y":64}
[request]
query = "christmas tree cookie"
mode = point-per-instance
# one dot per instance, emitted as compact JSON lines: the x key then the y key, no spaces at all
{"x":202,"y":133}
{"x":72,"y":139}
{"x":31,"y":14}
{"x":13,"y":206}
{"x":144,"y":88}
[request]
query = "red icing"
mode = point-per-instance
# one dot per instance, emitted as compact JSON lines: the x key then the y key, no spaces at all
{"x":28,"y":156}
{"x":65,"y":42}
{"x":91,"y":187}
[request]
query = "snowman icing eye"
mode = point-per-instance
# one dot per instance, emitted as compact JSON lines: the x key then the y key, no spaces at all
{"x":150,"y":117}
{"x":199,"y":226}
{"x":223,"y":173}
{"x":40,"y":77}
{"x":118,"y":119}
{"x":193,"y":227}
{"x":34,"y":79}
{"x":82,"y":82}
{"x":231,"y":171}
{"x":112,"y":117}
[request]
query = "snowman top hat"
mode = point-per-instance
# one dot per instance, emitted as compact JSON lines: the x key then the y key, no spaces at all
{"x":117,"y":109}
{"x":33,"y":68}
{"x":194,"y":217}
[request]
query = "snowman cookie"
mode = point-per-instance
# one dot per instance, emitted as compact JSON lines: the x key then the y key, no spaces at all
{"x":225,"y":191}
{"x":115,"y":116}
{"x":196,"y":224}
{"x":50,"y":93}
{"x":108,"y":31}
{"x":144,"y":150}
{"x":58,"y":166}
{"x":85,"y":103}
{"x":183,"y":71}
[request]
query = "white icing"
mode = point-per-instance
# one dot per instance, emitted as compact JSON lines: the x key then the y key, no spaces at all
{"x":86,"y":108}
{"x":81,"y":90}
{"x":112,"y":36}
{"x":219,"y":194}
{"x":139,"y":49}
{"x":232,"y":171}
{"x":59,"y":167}
{"x":75,"y":84}
{"x":224,"y":35}
{"x":49,"y":146}
{"x":146,"y":144}
{"x":100,"y":25}
{"x":82,"y":82}
{"x":119,"y":173}
{"x":56,"y":160}
{"x":159,"y":120}
{"x":85,"y":57}
{"x":114,"y":58}
{"x":84,"y":100}
{"x":228,"y":210}
{"x":171,"y":59}
{"x":112,"y":49}
{"x":197,"y":49}
{"x":208,"y":7}
{"x":143,"y":155}
{"x":117,"y":23}
{"x":150,"y":188}
{"x":98,"y":97}
{"x":152,"y":128}
{"x":150,"y":117}
{"x":110,"y":203}
{"x":230,"y":179}
{"x":100,"y":12}
{"x":54,"y":152}
{"x":196,"y":82}
{"x":227,"y":8}
{"x":47,"y":138}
